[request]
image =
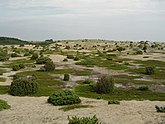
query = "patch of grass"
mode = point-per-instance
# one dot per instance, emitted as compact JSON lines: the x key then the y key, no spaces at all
{"x":3,"y":105}
{"x":2,"y":79}
{"x":2,"y":71}
{"x":71,"y":107}
{"x":120,"y":94}
{"x":4,"y":89}
{"x":126,"y":77}
{"x":47,"y":83}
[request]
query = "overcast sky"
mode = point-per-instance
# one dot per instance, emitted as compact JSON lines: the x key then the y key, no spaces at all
{"x":79,"y":19}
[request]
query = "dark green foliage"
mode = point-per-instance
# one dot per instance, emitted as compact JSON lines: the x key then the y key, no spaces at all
{"x":4,"y":55}
{"x":150,"y":70}
{"x":65,"y":60}
{"x":22,"y":86}
{"x":66,"y":77}
{"x":11,"y":41}
{"x":3,"y":105}
{"x":65,"y":97}
{"x":143,"y":88}
{"x":18,"y":67}
{"x":87,"y":81}
{"x":76,"y":58}
{"x":34,"y":56}
{"x":139,"y":52}
{"x":70,"y":56}
{"x":113,"y":102}
{"x":42,"y":60}
{"x":15,"y":55}
{"x":160,"y":109}
{"x":27,"y":54}
{"x":105,"y":84}
{"x":83,"y":120}
{"x":49,"y":66}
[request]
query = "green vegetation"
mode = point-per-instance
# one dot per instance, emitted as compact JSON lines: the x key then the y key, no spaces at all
{"x":84,"y":120}
{"x":42,"y":60}
{"x":11,"y":41}
{"x":18,"y":67}
{"x":65,"y":97}
{"x":2,"y":71}
{"x":150,"y":70}
{"x":3,"y":105}
{"x":105,"y":84}
{"x":49,"y":66}
{"x":2,"y":79}
{"x":34,"y":56}
{"x":4,"y":89}
{"x":113,"y":102}
{"x":120,"y":94}
{"x":4,"y":56}
{"x":23,"y":86}
{"x":66,"y":77}
{"x":143,"y":88}
{"x":160,"y":109}
{"x":77,"y":106}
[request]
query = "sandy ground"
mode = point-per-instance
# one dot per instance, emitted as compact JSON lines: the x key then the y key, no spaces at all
{"x":36,"y":110}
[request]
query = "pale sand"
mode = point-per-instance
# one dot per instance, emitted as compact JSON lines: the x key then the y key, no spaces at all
{"x":36,"y":110}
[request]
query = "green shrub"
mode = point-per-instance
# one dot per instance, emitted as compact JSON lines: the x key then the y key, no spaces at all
{"x":150,"y":70}
{"x":113,"y":102}
{"x":87,"y":81}
{"x":49,"y":66}
{"x":104,"y":84}
{"x":160,"y":109}
{"x":23,"y":86}
{"x":65,"y":60}
{"x":3,"y":105}
{"x":66,"y":77}
{"x":4,"y":55}
{"x":34,"y":56}
{"x":84,"y":120}
{"x":143,"y":88}
{"x":70,"y":56}
{"x":15,"y":55}
{"x":27,"y":54}
{"x":65,"y":97}
{"x":139,"y":52}
{"x":18,"y":67}
{"x":76,"y":58}
{"x":42,"y":60}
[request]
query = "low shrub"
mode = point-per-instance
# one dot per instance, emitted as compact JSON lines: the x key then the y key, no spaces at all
{"x":15,"y":55}
{"x":66,"y":77}
{"x":65,"y":97}
{"x":160,"y":109}
{"x":150,"y":70}
{"x":143,"y":88}
{"x":139,"y":52}
{"x":18,"y":67}
{"x":42,"y":60}
{"x":76,"y":58}
{"x":83,"y":120}
{"x":49,"y":66}
{"x":34,"y":56}
{"x":65,"y":60}
{"x":70,"y":56}
{"x":3,"y":105}
{"x":87,"y":81}
{"x":22,"y":86}
{"x":113,"y":102}
{"x":105,"y":84}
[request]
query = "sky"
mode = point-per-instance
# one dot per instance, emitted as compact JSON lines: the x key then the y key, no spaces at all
{"x":83,"y":19}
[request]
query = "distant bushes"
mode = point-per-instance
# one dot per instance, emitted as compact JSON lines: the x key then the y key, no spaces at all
{"x":160,"y":109}
{"x":70,"y":56}
{"x":42,"y":60}
{"x":105,"y":84}
{"x":65,"y":97}
{"x":143,"y":88}
{"x":15,"y":55}
{"x":22,"y":86}
{"x":150,"y":70}
{"x":66,"y":77}
{"x":83,"y":120}
{"x":113,"y":102}
{"x":3,"y":105}
{"x":34,"y":56}
{"x":139,"y":52}
{"x":18,"y":67}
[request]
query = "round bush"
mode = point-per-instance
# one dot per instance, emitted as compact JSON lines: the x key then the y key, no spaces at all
{"x":150,"y":70}
{"x":105,"y":84}
{"x":16,"y":67}
{"x":66,"y":77}
{"x":65,"y":97}
{"x":49,"y":66}
{"x":23,"y":86}
{"x":34,"y":56}
{"x":42,"y":60}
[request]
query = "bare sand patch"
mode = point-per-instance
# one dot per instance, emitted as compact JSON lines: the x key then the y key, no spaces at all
{"x":36,"y":110}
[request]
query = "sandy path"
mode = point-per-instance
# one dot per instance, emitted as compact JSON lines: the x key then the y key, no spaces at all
{"x":35,"y":110}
